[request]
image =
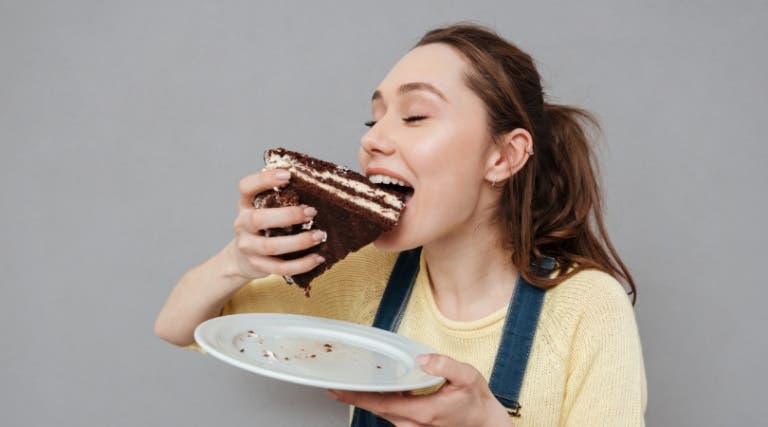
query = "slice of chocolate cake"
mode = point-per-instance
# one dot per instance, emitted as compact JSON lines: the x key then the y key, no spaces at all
{"x":350,"y":209}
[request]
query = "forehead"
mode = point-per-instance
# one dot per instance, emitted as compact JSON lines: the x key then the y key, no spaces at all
{"x":437,"y":64}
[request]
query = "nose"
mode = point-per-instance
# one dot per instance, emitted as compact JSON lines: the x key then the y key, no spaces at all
{"x":375,"y":142}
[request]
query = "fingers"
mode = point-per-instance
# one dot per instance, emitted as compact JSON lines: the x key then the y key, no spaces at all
{"x":455,"y":372}
{"x":285,"y":267}
{"x":252,"y":244}
{"x":257,"y":183}
{"x":257,"y":254}
{"x":255,"y":220}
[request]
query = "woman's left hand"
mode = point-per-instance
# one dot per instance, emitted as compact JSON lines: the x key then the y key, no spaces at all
{"x":464,"y":400}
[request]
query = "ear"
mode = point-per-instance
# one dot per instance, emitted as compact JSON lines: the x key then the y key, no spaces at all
{"x":509,"y":155}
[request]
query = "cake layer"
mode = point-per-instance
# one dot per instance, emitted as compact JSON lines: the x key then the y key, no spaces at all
{"x":339,"y":181}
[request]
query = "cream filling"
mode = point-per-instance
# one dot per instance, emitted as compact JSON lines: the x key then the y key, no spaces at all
{"x":275,"y":161}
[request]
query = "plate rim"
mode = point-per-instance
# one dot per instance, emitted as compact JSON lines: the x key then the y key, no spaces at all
{"x":429,"y":382}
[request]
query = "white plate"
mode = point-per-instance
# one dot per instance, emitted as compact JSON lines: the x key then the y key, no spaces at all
{"x":317,"y":352}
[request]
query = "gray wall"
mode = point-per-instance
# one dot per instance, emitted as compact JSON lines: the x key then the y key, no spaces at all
{"x":125,"y":127}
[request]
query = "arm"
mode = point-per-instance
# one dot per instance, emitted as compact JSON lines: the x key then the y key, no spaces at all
{"x":201,"y":292}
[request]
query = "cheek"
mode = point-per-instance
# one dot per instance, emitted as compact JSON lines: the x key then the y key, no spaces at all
{"x":449,"y":156}
{"x":451,"y":171}
{"x":450,"y":185}
{"x":436,"y":147}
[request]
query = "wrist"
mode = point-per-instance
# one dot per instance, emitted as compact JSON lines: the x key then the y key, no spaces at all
{"x":228,"y":266}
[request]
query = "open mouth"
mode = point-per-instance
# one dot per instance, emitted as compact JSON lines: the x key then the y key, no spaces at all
{"x":402,"y":188}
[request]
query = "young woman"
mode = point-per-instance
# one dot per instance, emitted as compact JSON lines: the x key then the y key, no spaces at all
{"x":516,"y":284}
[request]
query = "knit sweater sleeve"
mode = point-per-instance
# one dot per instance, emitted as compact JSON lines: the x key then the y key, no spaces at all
{"x":606,"y":377}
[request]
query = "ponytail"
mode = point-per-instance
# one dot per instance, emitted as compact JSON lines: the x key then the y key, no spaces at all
{"x":562,"y":191}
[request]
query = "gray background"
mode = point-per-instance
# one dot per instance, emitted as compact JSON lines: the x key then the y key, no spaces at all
{"x":125,"y":127}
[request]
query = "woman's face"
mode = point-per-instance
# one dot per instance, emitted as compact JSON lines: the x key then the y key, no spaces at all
{"x":430,"y":132}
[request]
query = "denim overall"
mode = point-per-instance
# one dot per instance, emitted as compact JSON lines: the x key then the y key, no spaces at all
{"x":517,"y":335}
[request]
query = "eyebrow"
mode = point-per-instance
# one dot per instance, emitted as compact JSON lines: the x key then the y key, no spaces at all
{"x":409,"y":87}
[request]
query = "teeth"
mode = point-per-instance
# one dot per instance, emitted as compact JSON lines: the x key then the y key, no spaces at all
{"x":383,"y":179}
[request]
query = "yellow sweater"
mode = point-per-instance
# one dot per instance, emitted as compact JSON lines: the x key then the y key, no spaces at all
{"x":585,"y":367}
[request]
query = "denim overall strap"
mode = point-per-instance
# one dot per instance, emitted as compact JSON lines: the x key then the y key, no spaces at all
{"x":390,"y":312}
{"x":517,"y":338}
{"x":398,"y":290}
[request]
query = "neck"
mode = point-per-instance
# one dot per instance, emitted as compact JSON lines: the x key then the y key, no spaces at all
{"x":471,"y":275}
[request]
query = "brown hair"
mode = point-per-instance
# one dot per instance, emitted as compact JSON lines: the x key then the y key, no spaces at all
{"x":553,"y":205}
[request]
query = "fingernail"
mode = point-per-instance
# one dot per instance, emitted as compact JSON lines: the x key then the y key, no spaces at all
{"x":319,"y":236}
{"x":310,"y":211}
{"x":422,"y":359}
{"x":332,"y":394}
{"x":319,"y":259}
{"x":282,"y":174}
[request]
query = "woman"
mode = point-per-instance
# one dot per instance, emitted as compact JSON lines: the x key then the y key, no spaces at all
{"x":504,"y":188}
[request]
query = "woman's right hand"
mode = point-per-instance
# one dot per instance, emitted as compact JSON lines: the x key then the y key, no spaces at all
{"x":203,"y":290}
{"x":201,"y":293}
{"x":252,"y":252}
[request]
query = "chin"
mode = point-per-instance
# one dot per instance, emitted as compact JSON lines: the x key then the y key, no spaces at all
{"x":395,"y":241}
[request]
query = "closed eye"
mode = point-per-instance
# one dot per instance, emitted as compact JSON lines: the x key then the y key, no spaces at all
{"x":409,"y":119}
{"x":414,"y":118}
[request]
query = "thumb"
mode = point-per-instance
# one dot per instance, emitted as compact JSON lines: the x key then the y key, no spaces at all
{"x":452,"y":370}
